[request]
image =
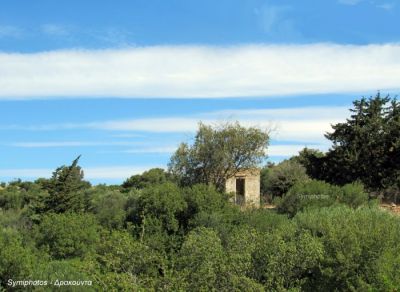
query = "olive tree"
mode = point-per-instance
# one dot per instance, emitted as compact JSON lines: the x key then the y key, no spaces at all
{"x":219,"y":152}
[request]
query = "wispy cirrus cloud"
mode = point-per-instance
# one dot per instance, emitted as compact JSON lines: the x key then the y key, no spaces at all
{"x":295,"y":124}
{"x":200,"y":71}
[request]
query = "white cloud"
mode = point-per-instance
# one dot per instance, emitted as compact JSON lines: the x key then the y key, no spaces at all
{"x":295,"y":124}
{"x":200,"y":71}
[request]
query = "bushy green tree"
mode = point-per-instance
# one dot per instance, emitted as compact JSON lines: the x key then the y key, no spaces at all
{"x":148,"y":178}
{"x":156,"y":214}
{"x":119,"y":252}
{"x":108,"y":206}
{"x":67,"y":235}
{"x":16,"y":261}
{"x":218,"y":153}
{"x":357,"y":246}
{"x":201,"y":260}
{"x":312,"y":161}
{"x":278,"y":179}
{"x":366,"y":147}
{"x":316,"y":193}
{"x":286,"y":260}
{"x":64,"y":270}
{"x":66,"y":189}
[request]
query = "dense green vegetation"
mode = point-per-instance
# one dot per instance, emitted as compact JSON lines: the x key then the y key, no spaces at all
{"x":165,"y":231}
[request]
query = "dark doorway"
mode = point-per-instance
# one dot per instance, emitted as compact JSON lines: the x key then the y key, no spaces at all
{"x":240,"y":190}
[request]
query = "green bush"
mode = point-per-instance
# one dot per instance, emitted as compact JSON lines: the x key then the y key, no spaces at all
{"x":17,"y":261}
{"x":109,"y":207}
{"x":67,"y":235}
{"x":201,"y":260}
{"x":64,"y":270}
{"x":354,"y":195}
{"x":360,"y":248}
{"x":276,"y":180}
{"x":286,"y":260}
{"x":316,"y":193}
{"x":164,"y":202}
{"x":147,"y":179}
{"x":312,"y":193}
{"x":119,"y":252}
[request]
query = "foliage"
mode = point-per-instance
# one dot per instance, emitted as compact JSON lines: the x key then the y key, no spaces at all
{"x":65,"y":189}
{"x":306,"y":194}
{"x":286,"y":261}
{"x":63,"y":270}
{"x":357,"y":245}
{"x":366,"y":147}
{"x":67,"y":235}
{"x":146,"y":179}
{"x":108,"y":206}
{"x":16,"y":260}
{"x":311,"y":159}
{"x":315,"y":193}
{"x":276,"y":180}
{"x":218,"y":153}
{"x":164,"y":202}
{"x":119,"y":252}
{"x":201,"y":259}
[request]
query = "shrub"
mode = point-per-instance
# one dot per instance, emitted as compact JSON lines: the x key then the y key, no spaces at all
{"x":119,"y":252}
{"x":16,"y":260}
{"x":316,"y":193}
{"x":312,"y":193}
{"x":202,"y":198}
{"x":201,"y":259}
{"x":148,"y":178}
{"x":354,"y":195}
{"x":64,"y":270}
{"x":109,"y":208}
{"x":164,"y":202}
{"x":67,"y":235}
{"x":286,"y":260}
{"x":278,"y":179}
{"x":360,"y":248}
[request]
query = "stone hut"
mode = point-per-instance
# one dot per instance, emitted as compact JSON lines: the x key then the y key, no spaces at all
{"x":246,"y":187}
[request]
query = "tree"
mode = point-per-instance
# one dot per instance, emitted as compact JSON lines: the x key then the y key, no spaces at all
{"x":67,"y":235}
{"x":65,"y":189}
{"x":366,"y":147}
{"x":201,"y":259}
{"x":218,"y":153}
{"x":148,"y":178}
{"x":278,"y":179}
{"x":311,"y":160}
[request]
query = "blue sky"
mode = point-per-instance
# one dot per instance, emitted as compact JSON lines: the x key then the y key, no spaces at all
{"x":123,"y":82}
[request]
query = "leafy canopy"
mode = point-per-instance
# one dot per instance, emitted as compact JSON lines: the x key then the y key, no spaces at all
{"x":218,"y":153}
